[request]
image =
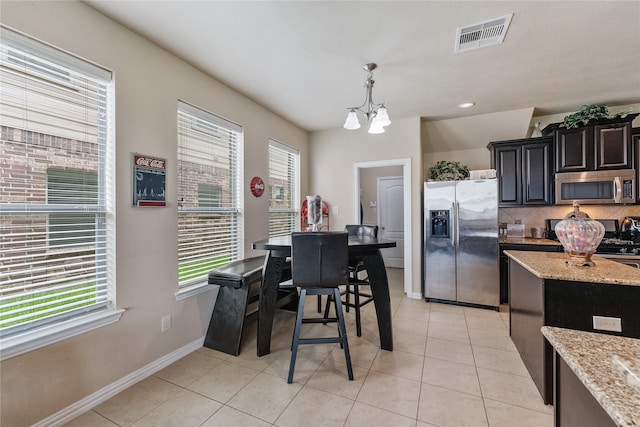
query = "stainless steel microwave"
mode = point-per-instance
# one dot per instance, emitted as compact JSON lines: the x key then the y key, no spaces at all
{"x":596,"y":187}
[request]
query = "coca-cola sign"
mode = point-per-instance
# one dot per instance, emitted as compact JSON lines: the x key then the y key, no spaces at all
{"x":149,"y":162}
{"x":149,"y":181}
{"x":257,"y":186}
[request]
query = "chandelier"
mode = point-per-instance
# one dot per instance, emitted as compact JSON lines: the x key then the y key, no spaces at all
{"x":375,"y":113}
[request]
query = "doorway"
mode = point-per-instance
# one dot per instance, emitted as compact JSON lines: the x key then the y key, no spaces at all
{"x":406,"y":178}
{"x":390,"y":219}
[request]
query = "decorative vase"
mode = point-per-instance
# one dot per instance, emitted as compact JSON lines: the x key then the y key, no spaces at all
{"x":536,"y":132}
{"x":580,"y":236}
{"x":314,"y":212}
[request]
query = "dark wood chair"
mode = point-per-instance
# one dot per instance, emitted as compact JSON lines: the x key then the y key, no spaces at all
{"x":319,"y":265}
{"x":356,"y":267}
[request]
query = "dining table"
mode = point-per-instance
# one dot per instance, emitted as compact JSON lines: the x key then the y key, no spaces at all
{"x":365,"y":248}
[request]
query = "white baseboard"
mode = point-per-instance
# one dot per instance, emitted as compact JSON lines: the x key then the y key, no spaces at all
{"x":415,"y":295}
{"x":80,"y":407}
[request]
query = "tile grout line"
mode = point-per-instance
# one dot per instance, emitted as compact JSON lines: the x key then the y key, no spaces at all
{"x":424,"y":361}
{"x":475,"y":366}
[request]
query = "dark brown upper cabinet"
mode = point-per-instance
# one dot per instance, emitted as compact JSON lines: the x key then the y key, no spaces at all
{"x":523,"y":169}
{"x":613,"y":146}
{"x":574,"y":149}
{"x":603,"y":145}
{"x":536,"y":173}
{"x":635,"y":145}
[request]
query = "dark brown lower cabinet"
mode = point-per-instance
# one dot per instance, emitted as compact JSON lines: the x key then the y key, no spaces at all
{"x":504,"y":262}
{"x":536,"y":302}
{"x":574,"y":405}
{"x":526,"y":317}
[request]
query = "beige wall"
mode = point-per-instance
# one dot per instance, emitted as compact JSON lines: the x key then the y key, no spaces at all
{"x":149,"y":81}
{"x":334,"y":153}
{"x":465,"y":139}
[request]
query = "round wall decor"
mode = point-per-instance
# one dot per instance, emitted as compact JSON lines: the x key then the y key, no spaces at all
{"x":257,"y":186}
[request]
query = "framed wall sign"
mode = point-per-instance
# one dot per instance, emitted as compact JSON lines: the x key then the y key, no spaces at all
{"x":149,"y":181}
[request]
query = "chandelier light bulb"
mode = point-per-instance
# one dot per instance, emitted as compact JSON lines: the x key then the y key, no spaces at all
{"x":352,"y":122}
{"x":376,"y":127}
{"x":382,"y":116}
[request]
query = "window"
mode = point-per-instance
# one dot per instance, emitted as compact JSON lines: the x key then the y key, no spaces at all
{"x":209,"y":193}
{"x":56,"y":192}
{"x":283,"y":189}
{"x":71,"y":188}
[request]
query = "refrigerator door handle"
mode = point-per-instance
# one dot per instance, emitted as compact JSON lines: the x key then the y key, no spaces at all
{"x":452,"y":224}
{"x":457,"y":224}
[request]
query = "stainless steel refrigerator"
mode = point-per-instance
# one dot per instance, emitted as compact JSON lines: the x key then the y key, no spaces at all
{"x":461,"y":242}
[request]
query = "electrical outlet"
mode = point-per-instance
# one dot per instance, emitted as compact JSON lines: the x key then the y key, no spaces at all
{"x":166,"y":323}
{"x":613,"y":324}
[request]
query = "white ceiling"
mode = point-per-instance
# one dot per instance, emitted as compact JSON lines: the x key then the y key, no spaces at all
{"x":303,"y":59}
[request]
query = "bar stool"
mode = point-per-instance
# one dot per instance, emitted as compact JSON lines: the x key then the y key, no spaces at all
{"x":319,"y":263}
{"x":356,"y":266}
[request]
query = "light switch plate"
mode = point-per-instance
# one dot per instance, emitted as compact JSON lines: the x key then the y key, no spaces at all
{"x":166,"y":323}
{"x":613,"y":324}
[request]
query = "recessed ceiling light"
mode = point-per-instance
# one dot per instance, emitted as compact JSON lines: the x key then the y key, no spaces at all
{"x":466,"y":105}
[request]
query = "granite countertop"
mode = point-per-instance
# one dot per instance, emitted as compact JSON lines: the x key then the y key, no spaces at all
{"x":591,"y":357}
{"x":527,"y":241}
{"x":551,"y":265}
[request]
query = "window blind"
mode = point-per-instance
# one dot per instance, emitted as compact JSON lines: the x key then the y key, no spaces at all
{"x":283,"y":189}
{"x":56,"y":186}
{"x":209,"y":193}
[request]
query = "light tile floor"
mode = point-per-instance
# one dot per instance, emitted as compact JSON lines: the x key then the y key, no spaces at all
{"x":451,"y":366}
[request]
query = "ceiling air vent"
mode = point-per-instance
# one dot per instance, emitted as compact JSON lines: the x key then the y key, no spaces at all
{"x":483,"y":34}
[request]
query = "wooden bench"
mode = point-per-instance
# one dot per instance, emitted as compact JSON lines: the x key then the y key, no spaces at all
{"x":238,"y":299}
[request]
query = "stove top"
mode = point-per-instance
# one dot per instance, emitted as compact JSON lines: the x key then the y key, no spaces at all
{"x":611,"y":243}
{"x":618,"y":246}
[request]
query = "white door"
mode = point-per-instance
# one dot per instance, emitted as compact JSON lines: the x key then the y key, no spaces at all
{"x":391,"y":218}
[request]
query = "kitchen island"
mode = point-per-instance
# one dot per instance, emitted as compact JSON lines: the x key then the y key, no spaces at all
{"x":520,"y":244}
{"x":552,"y":265}
{"x":544,"y":291}
{"x":595,"y":378}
